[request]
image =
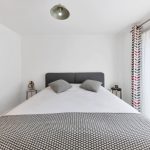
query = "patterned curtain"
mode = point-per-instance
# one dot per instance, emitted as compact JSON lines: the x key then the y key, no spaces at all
{"x":136,"y":66}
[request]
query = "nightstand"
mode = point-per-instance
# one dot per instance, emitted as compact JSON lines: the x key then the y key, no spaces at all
{"x":117,"y":91}
{"x":30,"y":93}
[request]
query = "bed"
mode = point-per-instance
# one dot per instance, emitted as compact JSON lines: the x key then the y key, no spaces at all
{"x":74,"y":119}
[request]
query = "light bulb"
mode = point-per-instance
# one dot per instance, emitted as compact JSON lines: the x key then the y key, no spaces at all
{"x":60,"y":14}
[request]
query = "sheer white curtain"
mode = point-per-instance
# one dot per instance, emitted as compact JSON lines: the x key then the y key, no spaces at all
{"x":145,"y":103}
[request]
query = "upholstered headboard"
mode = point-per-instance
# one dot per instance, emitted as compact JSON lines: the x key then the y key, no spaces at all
{"x":74,"y":77}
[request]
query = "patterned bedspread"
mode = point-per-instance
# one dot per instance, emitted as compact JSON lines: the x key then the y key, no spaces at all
{"x":75,"y":131}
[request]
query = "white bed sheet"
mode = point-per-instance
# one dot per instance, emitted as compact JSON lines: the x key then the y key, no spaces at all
{"x":73,"y":100}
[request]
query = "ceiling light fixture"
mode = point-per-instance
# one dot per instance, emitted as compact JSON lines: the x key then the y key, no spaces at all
{"x":59,"y":12}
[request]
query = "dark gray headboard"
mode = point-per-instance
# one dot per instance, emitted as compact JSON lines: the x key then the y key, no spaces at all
{"x":74,"y":77}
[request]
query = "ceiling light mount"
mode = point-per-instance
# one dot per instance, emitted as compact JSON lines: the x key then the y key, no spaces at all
{"x":59,"y":12}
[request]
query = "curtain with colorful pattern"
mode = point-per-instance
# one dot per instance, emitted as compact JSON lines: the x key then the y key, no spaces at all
{"x":136,"y":66}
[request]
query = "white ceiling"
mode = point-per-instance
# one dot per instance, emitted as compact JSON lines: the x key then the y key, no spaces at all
{"x":87,"y":16}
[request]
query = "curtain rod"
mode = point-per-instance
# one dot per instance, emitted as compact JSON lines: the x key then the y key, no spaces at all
{"x":148,"y":20}
{"x":144,"y":23}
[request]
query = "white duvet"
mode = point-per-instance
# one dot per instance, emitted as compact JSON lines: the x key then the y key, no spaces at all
{"x":73,"y":100}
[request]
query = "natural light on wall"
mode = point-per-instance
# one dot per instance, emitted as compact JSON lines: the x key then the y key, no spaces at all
{"x":146,"y":74}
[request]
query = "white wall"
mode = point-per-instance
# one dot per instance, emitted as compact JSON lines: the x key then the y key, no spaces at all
{"x":42,"y":54}
{"x":10,"y":69}
{"x":127,"y":50}
{"x":125,"y":43}
{"x":31,"y":57}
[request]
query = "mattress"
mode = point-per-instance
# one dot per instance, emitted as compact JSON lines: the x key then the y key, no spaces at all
{"x":75,"y":119}
{"x":73,"y":100}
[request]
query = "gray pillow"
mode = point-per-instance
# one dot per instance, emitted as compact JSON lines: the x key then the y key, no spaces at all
{"x":60,"y":86}
{"x":91,"y":85}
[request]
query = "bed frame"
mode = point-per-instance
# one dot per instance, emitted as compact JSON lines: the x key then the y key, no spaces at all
{"x":75,"y":77}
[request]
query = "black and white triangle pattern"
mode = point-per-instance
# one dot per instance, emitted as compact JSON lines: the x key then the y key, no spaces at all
{"x":75,"y":131}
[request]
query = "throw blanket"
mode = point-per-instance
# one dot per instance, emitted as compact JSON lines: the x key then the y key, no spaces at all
{"x":75,"y":131}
